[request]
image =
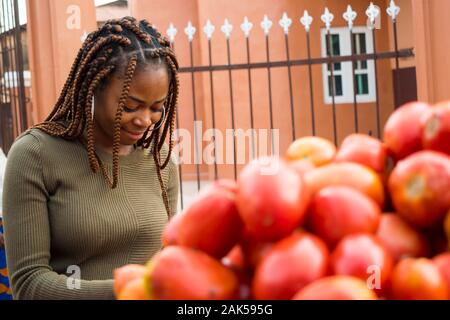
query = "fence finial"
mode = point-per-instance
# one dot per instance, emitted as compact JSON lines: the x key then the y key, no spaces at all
{"x":246,"y":27}
{"x":327,"y":18}
{"x":171,"y":33}
{"x":306,"y":20}
{"x":226,"y":28}
{"x":266,"y":24}
{"x":285,"y":23}
{"x":190,"y":31}
{"x":393,"y":10}
{"x":208,"y":29}
{"x":372,"y":13}
{"x":350,"y":16}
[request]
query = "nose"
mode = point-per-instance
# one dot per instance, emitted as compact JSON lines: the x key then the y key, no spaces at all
{"x":143,"y":118}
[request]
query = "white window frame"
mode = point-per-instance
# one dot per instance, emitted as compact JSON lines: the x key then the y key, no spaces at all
{"x":346,"y":67}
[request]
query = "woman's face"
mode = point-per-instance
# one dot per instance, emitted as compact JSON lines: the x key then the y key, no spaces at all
{"x":148,"y":92}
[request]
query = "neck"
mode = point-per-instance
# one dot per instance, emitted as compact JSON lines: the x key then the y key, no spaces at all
{"x":104,"y":142}
{"x":107,"y":145}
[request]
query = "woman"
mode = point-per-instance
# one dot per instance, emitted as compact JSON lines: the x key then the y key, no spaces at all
{"x":68,"y":223}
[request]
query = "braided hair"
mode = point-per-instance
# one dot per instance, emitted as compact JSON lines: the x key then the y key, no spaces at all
{"x":117,"y":44}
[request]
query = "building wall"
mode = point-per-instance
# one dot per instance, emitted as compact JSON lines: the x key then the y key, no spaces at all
{"x":53,"y":43}
{"x":432,"y":41}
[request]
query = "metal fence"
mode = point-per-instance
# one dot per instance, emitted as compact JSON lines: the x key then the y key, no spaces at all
{"x":330,"y":59}
{"x":13,"y":111}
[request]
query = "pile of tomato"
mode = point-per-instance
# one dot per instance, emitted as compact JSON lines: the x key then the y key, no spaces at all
{"x":367,"y":220}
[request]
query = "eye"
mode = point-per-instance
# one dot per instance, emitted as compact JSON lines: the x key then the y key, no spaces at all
{"x":157,"y":108}
{"x":129,"y":110}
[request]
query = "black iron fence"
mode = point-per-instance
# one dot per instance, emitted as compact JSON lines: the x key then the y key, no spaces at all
{"x":332,"y":58}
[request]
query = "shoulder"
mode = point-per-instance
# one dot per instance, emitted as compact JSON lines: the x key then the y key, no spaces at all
{"x":36,"y":136}
{"x":28,"y":142}
{"x":36,"y":143}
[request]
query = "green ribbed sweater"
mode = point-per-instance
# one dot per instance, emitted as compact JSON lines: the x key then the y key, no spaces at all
{"x":57,"y":214}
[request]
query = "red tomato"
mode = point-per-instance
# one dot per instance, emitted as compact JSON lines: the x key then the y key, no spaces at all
{"x":436,"y":128}
{"x":420,"y":187}
{"x":211,"y":223}
{"x":235,"y":258}
{"x":365,"y":150}
{"x":338,"y":211}
{"x":124,"y":275}
{"x":401,"y":239}
{"x":301,"y":166}
{"x":134,"y":290}
{"x":318,"y":150}
{"x":362,"y":256}
{"x":271,"y":199}
{"x":442,"y":261}
{"x":437,"y":238}
{"x":291,"y":264}
{"x":182,"y":273}
{"x":254,"y":250}
{"x":402,"y":132}
{"x":447,"y":228}
{"x":336,"y":288}
{"x":235,"y":261}
{"x":417,"y":279}
{"x":352,"y":175}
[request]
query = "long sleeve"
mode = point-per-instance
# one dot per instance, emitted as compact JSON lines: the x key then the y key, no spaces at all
{"x":27,"y":232}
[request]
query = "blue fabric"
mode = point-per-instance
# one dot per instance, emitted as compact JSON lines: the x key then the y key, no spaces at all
{"x":5,"y":289}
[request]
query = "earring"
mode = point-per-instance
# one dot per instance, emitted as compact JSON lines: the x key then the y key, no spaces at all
{"x":163,"y":118}
{"x":92,"y":108}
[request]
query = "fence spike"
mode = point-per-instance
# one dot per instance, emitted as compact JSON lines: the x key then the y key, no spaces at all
{"x":349,"y":16}
{"x":226,"y":28}
{"x":327,"y":18}
{"x":372,"y":13}
{"x":306,"y":20}
{"x":171,"y":32}
{"x":393,"y":10}
{"x":246,"y":27}
{"x":266,"y":24}
{"x":208,"y":29}
{"x":285,"y":22}
{"x":190,"y":31}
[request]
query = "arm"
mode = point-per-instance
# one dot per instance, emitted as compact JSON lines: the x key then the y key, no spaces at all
{"x":27,"y":231}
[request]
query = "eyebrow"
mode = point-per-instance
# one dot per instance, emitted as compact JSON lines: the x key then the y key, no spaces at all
{"x":143,"y":102}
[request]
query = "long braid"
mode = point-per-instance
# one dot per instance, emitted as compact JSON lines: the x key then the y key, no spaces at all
{"x":93,"y":161}
{"x":118,"y":43}
{"x":156,"y":157}
{"x":126,"y":89}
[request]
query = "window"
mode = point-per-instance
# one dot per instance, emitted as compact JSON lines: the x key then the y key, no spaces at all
{"x":340,"y":45}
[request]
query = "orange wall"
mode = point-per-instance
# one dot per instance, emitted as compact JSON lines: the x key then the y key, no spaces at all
{"x":53,"y":42}
{"x":431,"y":34}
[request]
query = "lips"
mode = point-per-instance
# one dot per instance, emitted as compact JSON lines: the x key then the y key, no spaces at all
{"x":136,"y":135}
